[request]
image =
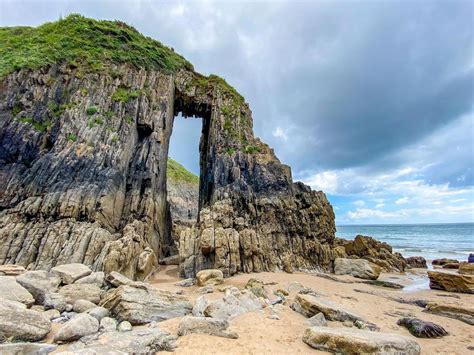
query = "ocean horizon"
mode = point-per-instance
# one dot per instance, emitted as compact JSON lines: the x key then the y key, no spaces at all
{"x":430,"y":240}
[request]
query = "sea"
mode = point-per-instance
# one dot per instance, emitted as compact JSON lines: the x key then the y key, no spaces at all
{"x":432,"y":241}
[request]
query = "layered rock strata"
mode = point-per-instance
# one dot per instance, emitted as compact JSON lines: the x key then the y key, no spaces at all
{"x":83,"y":156}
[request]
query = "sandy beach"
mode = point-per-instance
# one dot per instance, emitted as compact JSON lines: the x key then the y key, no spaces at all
{"x":260,"y":335}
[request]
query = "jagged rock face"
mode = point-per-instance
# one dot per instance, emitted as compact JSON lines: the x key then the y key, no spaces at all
{"x":83,"y":177}
{"x":82,"y":172}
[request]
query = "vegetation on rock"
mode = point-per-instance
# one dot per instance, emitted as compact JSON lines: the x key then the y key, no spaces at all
{"x":77,"y":41}
{"x":178,"y":173}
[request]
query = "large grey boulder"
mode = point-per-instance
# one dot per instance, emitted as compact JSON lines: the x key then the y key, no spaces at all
{"x":309,"y":305}
{"x":20,"y":324}
{"x":79,"y":326}
{"x":26,"y":348}
{"x":54,"y":300}
{"x":317,"y":320}
{"x":74,"y":292}
{"x":98,"y":312}
{"x":108,"y":324}
{"x":39,"y":283}
{"x":355,"y":341}
{"x":137,"y":341}
{"x":202,"y":325}
{"x":71,"y":272}
{"x":360,"y":268}
{"x":13,"y":291}
{"x":140,"y":305}
{"x":96,"y":278}
{"x":81,"y":306}
{"x":233,"y":304}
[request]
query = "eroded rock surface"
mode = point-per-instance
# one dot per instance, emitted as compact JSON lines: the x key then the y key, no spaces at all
{"x":309,"y":305}
{"x":355,"y":341}
{"x":145,"y":305}
{"x":360,"y":268}
{"x":453,"y":282}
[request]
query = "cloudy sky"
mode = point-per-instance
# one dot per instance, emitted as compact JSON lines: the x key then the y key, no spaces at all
{"x":372,"y":102}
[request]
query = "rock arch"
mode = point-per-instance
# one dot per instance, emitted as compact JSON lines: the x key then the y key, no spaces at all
{"x":83,"y":177}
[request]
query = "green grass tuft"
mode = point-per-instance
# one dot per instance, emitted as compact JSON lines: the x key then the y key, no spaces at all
{"x":81,"y":41}
{"x":178,"y":173}
{"x":91,"y":110}
{"x":71,"y":137}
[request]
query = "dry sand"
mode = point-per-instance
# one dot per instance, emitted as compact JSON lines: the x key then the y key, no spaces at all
{"x":260,"y":335}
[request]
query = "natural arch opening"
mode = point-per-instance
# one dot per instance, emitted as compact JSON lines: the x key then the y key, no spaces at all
{"x":189,"y":181}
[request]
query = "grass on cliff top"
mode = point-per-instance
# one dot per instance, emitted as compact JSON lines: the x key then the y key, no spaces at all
{"x":80,"y":40}
{"x":178,"y":173}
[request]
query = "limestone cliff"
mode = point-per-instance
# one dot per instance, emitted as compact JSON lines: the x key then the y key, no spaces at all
{"x":85,"y":126}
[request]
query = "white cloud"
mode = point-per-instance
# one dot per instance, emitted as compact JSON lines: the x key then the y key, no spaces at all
{"x":325,"y":181}
{"x":359,"y":203}
{"x":402,"y":201}
{"x":278,"y":132}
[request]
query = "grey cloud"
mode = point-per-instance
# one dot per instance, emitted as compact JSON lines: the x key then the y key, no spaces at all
{"x":353,"y":84}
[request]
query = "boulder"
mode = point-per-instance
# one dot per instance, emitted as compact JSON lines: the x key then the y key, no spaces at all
{"x":186,"y":282}
{"x":11,"y":270}
{"x":376,"y":252}
{"x":317,"y":320}
{"x":26,"y":348}
{"x":39,"y":283}
{"x":199,"y":306}
{"x":145,"y":305}
{"x":96,"y":278}
{"x":464,"y":313}
{"x":360,"y":268}
{"x":416,"y":262}
{"x":209,"y":277}
{"x":233,"y":304}
{"x":74,"y":292}
{"x":20,"y":324}
{"x":124,"y":326}
{"x":201,"y":325}
{"x":466,"y":269}
{"x":356,"y":341}
{"x":450,"y":266}
{"x":309,"y":305}
{"x":108,"y":324}
{"x":81,"y":306}
{"x":81,"y":325}
{"x":170,"y":260}
{"x":443,"y":261}
{"x":422,"y":329}
{"x":137,"y":341}
{"x":54,"y":300}
{"x":13,"y":291}
{"x":71,"y":272}
{"x":116,"y":279}
{"x":294,"y":286}
{"x":452,"y":282}
{"x":98,"y":312}
{"x":256,"y":287}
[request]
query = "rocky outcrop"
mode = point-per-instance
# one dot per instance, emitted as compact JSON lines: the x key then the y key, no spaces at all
{"x":466,"y":268}
{"x":379,"y":253}
{"x":83,"y":164}
{"x":416,"y":262}
{"x":360,"y":268}
{"x":202,"y":325}
{"x":309,"y":306}
{"x":452,"y":282}
{"x":355,"y":341}
{"x":140,"y":305}
{"x":464,"y":313}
